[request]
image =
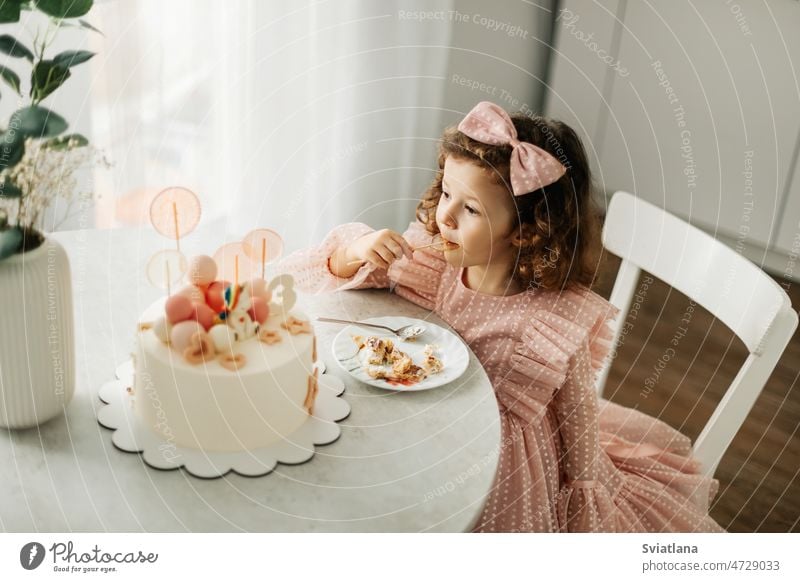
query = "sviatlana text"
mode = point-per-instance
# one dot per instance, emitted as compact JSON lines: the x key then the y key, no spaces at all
{"x":672,"y":548}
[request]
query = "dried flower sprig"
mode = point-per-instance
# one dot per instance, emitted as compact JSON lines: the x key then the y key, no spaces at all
{"x":44,"y":174}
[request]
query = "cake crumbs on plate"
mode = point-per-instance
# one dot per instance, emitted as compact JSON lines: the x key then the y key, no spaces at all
{"x":383,"y":352}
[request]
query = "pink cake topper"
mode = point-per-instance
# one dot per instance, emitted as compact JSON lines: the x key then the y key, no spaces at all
{"x":263,"y":246}
{"x":233,"y":264}
{"x":166,"y":268}
{"x":174,"y":213}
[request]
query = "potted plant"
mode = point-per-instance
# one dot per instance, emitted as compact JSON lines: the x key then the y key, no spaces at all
{"x":38,"y":161}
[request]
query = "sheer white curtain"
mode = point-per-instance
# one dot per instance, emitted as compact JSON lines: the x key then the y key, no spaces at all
{"x":164,"y":98}
{"x":295,"y":116}
{"x":347,"y":103}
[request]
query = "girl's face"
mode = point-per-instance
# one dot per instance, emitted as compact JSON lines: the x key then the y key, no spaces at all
{"x":476,"y":216}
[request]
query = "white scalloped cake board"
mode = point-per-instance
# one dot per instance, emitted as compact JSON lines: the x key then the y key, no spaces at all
{"x":133,"y":436}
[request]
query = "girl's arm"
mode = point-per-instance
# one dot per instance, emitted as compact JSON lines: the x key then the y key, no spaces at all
{"x":310,"y":267}
{"x":328,"y":266}
{"x":341,"y":264}
{"x":380,"y":249}
{"x":577,"y":410}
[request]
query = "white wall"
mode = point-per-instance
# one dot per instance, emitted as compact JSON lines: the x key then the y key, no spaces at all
{"x":699,"y":112}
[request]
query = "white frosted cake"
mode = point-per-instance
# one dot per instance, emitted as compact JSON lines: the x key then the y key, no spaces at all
{"x":236,"y":374}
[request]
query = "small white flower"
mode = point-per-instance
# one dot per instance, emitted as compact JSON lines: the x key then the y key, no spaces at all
{"x":45,"y":175}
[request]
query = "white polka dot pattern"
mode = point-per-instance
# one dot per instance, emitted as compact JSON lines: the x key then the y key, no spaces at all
{"x":531,"y":166}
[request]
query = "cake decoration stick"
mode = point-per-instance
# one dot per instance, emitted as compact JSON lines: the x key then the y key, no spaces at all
{"x":175,"y":220}
{"x":262,"y":245}
{"x":175,"y":212}
{"x":263,"y":256}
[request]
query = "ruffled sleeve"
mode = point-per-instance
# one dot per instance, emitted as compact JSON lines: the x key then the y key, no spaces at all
{"x":309,"y":267}
{"x":556,"y":365}
{"x":417,"y":279}
{"x":541,"y":359}
{"x":582,"y":502}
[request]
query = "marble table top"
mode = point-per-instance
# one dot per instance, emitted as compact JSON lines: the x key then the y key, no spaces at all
{"x":411,"y":462}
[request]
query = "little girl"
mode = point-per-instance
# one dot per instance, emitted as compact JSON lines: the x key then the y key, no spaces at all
{"x":512,"y":202}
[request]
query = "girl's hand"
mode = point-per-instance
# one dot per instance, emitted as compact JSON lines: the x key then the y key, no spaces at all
{"x":380,"y":248}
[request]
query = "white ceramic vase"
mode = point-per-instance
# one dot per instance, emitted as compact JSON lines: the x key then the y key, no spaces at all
{"x":37,"y":346}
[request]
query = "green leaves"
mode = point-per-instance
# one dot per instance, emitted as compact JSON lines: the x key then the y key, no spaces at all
{"x":71,"y":58}
{"x":9,"y":10}
{"x":88,"y":26}
{"x":9,"y":190}
{"x":10,"y":237}
{"x":58,"y":9}
{"x":63,"y":8}
{"x":13,"y":48}
{"x":63,"y":141}
{"x":12,"y":146}
{"x":46,"y":77}
{"x":10,"y":77}
{"x":10,"y":241}
{"x":49,"y":75}
{"x":36,"y":121}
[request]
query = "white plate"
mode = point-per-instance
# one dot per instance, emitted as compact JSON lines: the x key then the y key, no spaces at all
{"x":451,"y":351}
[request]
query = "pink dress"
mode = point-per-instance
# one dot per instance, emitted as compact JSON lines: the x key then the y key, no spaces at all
{"x":569,"y":461}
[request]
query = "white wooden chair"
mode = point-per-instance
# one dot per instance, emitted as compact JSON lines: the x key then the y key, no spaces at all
{"x":712,"y":274}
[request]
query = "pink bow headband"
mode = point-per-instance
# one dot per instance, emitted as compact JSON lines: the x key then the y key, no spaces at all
{"x":531,"y":167}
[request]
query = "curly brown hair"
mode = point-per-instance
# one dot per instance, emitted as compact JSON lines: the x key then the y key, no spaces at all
{"x":558,"y":226}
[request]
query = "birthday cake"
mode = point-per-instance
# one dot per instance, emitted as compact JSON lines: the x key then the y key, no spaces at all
{"x":223,"y":366}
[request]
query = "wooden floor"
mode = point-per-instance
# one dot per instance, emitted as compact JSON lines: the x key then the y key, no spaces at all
{"x":759,"y":486}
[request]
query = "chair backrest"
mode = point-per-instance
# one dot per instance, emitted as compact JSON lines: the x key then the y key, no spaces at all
{"x":715,"y":276}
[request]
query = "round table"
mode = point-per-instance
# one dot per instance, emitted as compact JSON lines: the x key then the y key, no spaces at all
{"x":414,"y":461}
